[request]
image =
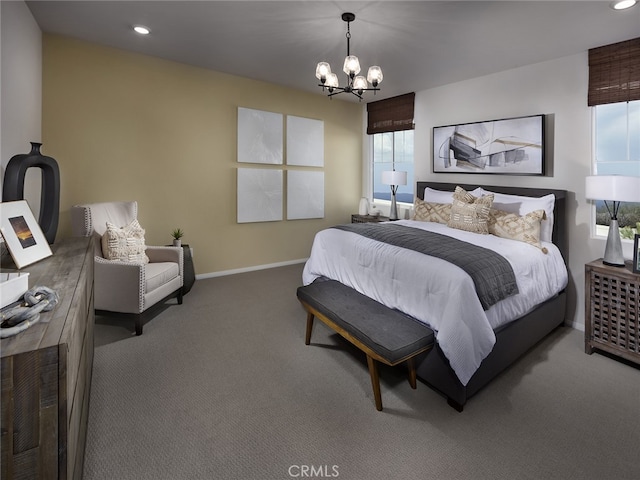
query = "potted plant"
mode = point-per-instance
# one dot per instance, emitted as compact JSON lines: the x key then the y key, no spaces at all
{"x":177,"y":235}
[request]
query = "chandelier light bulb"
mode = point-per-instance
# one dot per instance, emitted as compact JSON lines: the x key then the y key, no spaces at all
{"x":332,"y":81}
{"x":351,"y":66}
{"x":323,"y":70}
{"x":360,"y":83}
{"x":374,"y":75}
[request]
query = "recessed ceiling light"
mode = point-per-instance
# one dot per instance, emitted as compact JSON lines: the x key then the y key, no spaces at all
{"x":623,"y":4}
{"x":141,"y":29}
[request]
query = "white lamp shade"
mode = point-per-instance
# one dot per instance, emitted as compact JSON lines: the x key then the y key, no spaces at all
{"x":391,"y":177}
{"x":617,"y":188}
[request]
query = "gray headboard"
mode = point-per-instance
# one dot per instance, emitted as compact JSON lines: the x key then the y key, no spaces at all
{"x":559,"y":212}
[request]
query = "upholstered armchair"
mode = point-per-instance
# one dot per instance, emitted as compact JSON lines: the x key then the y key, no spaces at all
{"x":130,"y":278}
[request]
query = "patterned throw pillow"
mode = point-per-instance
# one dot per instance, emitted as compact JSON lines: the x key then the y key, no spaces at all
{"x":431,"y":212}
{"x":470,"y":213}
{"x":125,"y":244}
{"x":464,"y":196}
{"x":511,"y":225}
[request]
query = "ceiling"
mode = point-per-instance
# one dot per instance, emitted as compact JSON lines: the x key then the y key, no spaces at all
{"x":418,"y":44}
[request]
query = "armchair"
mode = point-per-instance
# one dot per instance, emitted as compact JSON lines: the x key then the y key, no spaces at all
{"x":126,"y":288}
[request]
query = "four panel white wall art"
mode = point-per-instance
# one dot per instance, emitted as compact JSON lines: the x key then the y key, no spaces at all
{"x":260,"y":191}
{"x":305,"y":142}
{"x":259,"y":136}
{"x":305,"y":194}
{"x":259,"y":195}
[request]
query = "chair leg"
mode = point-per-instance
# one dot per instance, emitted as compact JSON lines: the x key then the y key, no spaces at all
{"x":375,"y":382}
{"x":307,"y":339}
{"x":180,"y":296}
{"x":139,"y":324}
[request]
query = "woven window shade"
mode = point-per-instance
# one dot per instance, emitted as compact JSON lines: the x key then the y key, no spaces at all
{"x":391,"y":115}
{"x":614,"y":73}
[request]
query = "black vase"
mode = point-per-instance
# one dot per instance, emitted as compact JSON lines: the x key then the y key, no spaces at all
{"x":13,"y":186}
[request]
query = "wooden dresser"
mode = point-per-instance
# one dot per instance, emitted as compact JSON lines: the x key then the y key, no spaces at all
{"x":46,"y":372}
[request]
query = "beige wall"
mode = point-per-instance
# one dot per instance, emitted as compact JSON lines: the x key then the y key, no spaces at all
{"x":125,"y":126}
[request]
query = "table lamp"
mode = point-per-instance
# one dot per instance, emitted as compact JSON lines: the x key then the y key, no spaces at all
{"x":393,"y":178}
{"x":614,"y":189}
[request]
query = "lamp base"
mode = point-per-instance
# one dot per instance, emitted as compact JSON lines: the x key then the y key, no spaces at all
{"x":613,"y":251}
{"x":393,"y":212}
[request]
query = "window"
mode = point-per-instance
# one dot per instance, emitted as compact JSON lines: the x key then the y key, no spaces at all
{"x":614,"y":94}
{"x":390,"y":124}
{"x":393,"y":151}
{"x":617,"y":152}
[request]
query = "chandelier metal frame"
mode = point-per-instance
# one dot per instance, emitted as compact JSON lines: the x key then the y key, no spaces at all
{"x":356,"y":85}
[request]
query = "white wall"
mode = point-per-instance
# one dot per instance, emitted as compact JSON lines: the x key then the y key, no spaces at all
{"x":555,"y":88}
{"x":20,"y":91}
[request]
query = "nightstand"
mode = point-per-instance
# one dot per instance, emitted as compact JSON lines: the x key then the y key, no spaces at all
{"x":612,"y":310}
{"x":368,"y":218}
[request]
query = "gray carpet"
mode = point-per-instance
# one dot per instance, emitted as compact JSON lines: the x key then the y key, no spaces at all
{"x":223,"y":387}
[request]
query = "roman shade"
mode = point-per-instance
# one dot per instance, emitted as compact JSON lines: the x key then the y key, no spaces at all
{"x":614,"y":73}
{"x":391,"y":115}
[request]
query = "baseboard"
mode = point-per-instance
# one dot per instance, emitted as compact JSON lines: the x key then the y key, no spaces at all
{"x":224,"y":273}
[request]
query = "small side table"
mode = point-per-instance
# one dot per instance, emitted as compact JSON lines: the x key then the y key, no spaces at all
{"x":612,"y":310}
{"x":188,"y":271}
{"x":355,"y":218}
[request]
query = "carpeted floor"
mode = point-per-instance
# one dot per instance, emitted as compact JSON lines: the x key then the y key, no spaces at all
{"x":223,"y":387}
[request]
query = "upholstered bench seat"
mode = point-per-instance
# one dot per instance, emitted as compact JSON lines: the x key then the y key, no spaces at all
{"x":383,"y":334}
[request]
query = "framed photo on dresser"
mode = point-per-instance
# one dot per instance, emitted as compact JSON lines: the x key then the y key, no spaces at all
{"x":22,"y":234}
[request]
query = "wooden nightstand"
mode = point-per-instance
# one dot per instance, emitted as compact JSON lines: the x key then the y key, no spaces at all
{"x":355,"y":218}
{"x":612,"y":310}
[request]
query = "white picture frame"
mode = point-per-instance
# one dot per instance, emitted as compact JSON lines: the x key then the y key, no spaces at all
{"x":305,"y":142}
{"x":260,"y":136}
{"x":260,"y":197}
{"x":305,"y":194}
{"x":22,"y":234}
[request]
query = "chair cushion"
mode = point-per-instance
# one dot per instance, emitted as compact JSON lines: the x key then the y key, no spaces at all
{"x":158,"y":274}
{"x":125,"y":244}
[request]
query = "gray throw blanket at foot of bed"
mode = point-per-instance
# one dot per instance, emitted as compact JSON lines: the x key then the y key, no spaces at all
{"x":492,"y":274}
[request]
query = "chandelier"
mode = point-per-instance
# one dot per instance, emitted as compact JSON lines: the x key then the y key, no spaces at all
{"x":356,"y":84}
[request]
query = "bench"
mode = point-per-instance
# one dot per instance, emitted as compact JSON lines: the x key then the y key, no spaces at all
{"x":383,"y":334}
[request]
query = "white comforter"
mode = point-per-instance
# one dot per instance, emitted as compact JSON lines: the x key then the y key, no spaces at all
{"x":435,"y":291}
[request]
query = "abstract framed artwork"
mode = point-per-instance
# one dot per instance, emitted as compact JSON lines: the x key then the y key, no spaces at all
{"x":511,"y":146}
{"x":305,"y":194}
{"x":260,"y":136}
{"x":305,"y":142}
{"x":22,"y":234}
{"x":259,"y":195}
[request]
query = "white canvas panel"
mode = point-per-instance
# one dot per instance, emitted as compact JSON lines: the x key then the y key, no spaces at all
{"x":305,"y":194}
{"x":259,"y":136}
{"x":305,"y":142}
{"x":259,"y":195}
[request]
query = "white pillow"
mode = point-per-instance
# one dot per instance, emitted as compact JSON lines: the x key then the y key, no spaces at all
{"x":125,"y":244}
{"x":441,"y":196}
{"x":523,"y":205}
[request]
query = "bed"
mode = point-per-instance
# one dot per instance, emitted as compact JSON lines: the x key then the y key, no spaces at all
{"x":475,"y":340}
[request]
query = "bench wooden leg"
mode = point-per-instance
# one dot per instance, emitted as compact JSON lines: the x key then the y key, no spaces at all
{"x":412,"y":373}
{"x":375,"y":382}
{"x":307,"y":338}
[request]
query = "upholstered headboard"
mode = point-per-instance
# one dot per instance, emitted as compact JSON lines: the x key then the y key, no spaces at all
{"x":559,"y":237}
